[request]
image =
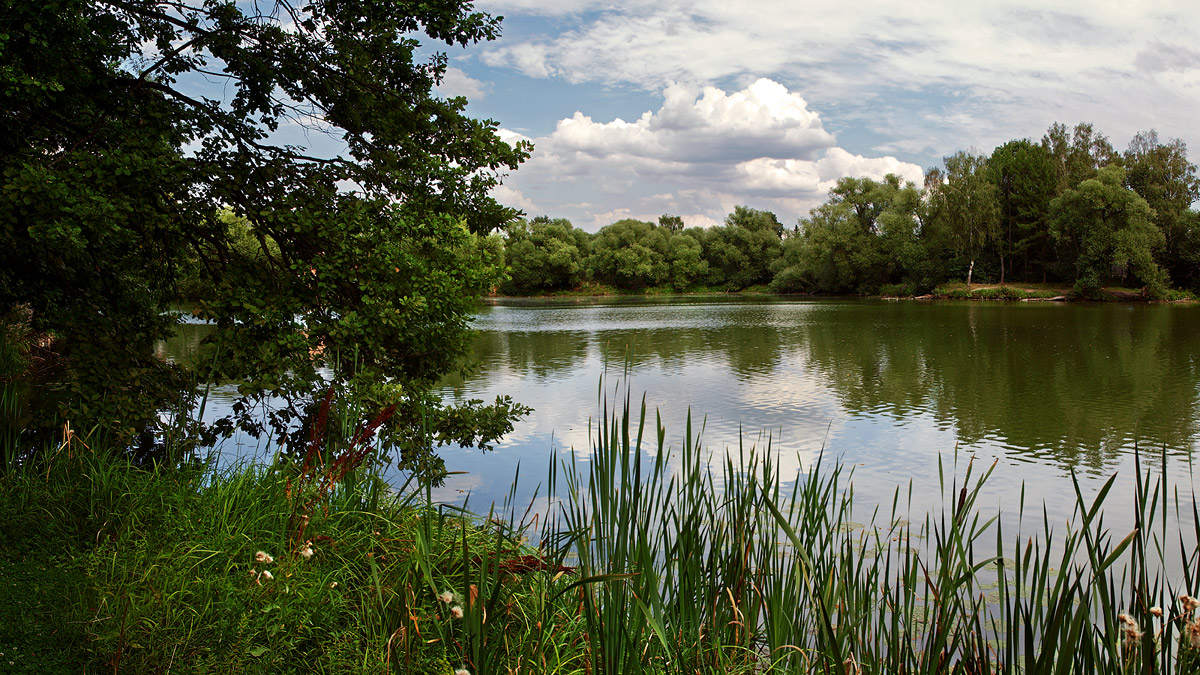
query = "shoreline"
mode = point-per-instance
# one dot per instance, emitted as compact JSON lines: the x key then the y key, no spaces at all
{"x":959,"y":291}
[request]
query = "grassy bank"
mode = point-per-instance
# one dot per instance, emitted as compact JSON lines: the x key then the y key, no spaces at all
{"x":648,"y":560}
{"x":960,"y":291}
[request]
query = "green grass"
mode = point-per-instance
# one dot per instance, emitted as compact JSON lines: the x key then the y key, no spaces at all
{"x":40,"y":632}
{"x":961,"y":292}
{"x":642,"y":558}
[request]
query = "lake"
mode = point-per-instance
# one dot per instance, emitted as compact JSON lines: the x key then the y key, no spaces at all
{"x":888,"y":387}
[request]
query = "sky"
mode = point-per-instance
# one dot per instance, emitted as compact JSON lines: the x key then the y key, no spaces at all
{"x":637,"y":109}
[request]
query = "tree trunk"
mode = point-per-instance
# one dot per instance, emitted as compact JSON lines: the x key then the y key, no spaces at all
{"x":970,"y":271}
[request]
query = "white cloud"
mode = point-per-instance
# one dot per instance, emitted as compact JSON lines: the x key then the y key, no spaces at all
{"x":540,"y":7}
{"x":511,"y":137}
{"x":930,"y":78}
{"x":838,"y":163}
{"x":511,"y":197}
{"x":701,"y":153}
{"x":763,"y":120}
{"x":458,"y":83}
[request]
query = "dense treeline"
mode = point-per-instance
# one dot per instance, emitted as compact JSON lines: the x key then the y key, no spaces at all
{"x":1069,"y":209}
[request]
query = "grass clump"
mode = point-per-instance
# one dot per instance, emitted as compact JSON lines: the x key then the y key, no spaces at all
{"x":303,"y":566}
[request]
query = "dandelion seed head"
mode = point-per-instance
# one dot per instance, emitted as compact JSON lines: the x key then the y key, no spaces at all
{"x":446,"y":596}
{"x":1133,"y":632}
{"x":456,"y":612}
{"x":1188,"y":603}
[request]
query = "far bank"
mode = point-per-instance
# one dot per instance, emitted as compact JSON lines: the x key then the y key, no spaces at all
{"x":1026,"y":292}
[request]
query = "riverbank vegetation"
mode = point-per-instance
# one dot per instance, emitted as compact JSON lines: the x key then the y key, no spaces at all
{"x":646,"y":557}
{"x":1069,"y":210}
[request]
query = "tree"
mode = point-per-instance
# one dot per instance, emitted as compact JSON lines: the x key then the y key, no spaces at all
{"x":1108,"y":229}
{"x":671,"y":223}
{"x":1078,"y":154}
{"x":968,"y":206}
{"x":1162,"y":175}
{"x":544,"y":255}
{"x":686,"y":257}
{"x":867,"y":197}
{"x":630,"y":254}
{"x":857,"y":241}
{"x":1024,"y":176}
{"x":117,"y":163}
{"x":740,"y":253}
{"x":1189,"y":251}
{"x":754,"y":220}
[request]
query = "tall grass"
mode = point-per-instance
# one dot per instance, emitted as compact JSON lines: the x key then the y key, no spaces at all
{"x":725,"y":567}
{"x":640,"y":557}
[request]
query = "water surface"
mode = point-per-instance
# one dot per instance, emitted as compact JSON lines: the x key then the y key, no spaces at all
{"x":1041,"y":389}
{"x":887,"y":386}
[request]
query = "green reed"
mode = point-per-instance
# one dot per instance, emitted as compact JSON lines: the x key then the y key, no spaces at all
{"x":706,"y":566}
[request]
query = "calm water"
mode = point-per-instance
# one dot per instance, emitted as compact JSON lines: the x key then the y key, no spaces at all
{"x":889,"y":387}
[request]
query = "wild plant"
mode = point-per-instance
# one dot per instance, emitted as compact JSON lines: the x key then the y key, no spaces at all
{"x":696,"y":565}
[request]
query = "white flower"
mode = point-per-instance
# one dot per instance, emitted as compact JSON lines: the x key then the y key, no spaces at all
{"x":263,"y":557}
{"x":307,"y":551}
{"x":267,"y":575}
{"x":456,"y":612}
{"x":446,"y":596}
{"x":462,"y":671}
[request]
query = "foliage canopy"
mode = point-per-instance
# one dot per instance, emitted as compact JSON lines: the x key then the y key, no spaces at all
{"x":133,"y":129}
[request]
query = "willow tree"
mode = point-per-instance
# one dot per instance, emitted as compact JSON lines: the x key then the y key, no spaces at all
{"x":1109,"y":231}
{"x":131,"y":126}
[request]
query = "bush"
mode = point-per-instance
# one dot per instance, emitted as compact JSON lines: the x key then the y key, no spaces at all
{"x":790,"y":280}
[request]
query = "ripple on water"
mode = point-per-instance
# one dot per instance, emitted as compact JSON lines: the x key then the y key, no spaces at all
{"x":889,"y":386}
